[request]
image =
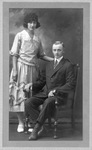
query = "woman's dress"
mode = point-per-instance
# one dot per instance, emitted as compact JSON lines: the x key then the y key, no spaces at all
{"x":27,"y":50}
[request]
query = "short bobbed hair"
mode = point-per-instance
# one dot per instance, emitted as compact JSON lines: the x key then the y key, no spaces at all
{"x":29,"y":18}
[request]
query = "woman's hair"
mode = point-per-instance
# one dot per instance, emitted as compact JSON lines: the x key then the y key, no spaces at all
{"x":29,"y":18}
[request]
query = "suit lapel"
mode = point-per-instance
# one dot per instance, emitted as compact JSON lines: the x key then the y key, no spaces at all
{"x":57,"y":67}
{"x":51,"y":69}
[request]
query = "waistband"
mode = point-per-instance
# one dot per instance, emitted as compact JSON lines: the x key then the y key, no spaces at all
{"x":26,"y":62}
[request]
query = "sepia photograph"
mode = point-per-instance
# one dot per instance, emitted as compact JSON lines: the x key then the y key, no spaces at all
{"x":46,"y":74}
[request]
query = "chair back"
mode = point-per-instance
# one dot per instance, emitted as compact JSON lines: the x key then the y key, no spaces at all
{"x":72,"y":94}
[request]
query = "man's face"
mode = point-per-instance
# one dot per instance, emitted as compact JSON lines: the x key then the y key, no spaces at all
{"x":57,"y":52}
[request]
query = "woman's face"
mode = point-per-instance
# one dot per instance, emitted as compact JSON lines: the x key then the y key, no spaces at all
{"x":31,"y":25}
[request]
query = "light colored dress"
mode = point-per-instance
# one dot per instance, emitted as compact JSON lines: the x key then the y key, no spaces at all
{"x":27,"y":50}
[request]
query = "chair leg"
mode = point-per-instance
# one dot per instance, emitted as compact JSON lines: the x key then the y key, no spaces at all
{"x":49,"y":122}
{"x":26,"y":125}
{"x":55,"y":129}
{"x":73,"y":120}
{"x":56,"y":122}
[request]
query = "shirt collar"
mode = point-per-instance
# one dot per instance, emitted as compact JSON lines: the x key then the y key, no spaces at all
{"x":59,"y":59}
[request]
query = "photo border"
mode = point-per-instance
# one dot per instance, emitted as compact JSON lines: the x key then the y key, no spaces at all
{"x":86,"y":58}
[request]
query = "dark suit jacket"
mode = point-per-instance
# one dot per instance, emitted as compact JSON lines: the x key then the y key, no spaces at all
{"x":62,"y":78}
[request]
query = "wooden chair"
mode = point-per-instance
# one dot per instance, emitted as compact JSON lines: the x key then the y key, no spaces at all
{"x":68,"y":108}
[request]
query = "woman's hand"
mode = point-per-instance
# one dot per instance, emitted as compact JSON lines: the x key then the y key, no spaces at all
{"x":22,"y":86}
{"x":27,"y":86}
{"x":15,"y":75}
{"x":47,"y":58}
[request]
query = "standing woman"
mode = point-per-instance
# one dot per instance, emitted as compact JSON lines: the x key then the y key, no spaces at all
{"x":25,"y":51}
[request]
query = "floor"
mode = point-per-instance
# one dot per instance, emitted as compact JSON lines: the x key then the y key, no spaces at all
{"x":65,"y":132}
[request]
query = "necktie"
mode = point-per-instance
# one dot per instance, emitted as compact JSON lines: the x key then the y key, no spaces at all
{"x":55,"y":64}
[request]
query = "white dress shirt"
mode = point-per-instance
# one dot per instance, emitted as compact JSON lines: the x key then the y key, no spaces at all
{"x":58,"y":60}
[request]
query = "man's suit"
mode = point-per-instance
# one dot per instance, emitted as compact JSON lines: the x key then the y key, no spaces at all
{"x":61,"y":79}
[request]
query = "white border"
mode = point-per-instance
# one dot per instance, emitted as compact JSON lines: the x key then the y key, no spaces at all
{"x":1,"y":78}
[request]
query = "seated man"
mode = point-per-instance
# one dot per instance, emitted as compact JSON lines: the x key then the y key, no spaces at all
{"x":60,"y":79}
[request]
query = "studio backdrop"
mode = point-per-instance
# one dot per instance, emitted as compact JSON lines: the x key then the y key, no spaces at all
{"x":57,"y":24}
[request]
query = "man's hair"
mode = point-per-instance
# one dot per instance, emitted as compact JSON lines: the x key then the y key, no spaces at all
{"x":59,"y":42}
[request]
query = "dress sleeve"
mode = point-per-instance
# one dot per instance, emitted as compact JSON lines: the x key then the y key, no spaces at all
{"x":41,"y":52}
{"x":16,"y":45}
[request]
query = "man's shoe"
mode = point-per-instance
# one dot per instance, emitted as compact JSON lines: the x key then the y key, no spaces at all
{"x":42,"y":131}
{"x":34,"y":134}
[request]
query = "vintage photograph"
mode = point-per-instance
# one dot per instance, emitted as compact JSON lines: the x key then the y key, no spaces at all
{"x":37,"y":38}
{"x":46,"y":68}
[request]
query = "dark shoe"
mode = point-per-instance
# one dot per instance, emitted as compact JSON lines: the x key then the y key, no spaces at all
{"x":34,"y":134}
{"x":42,"y":131}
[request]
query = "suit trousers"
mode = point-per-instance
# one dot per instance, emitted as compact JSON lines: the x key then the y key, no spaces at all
{"x":32,"y":108}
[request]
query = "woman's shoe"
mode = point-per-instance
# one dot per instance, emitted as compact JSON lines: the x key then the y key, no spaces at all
{"x":20,"y":128}
{"x":30,"y":129}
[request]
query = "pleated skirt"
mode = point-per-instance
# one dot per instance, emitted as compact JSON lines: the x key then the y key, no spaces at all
{"x":26,"y":74}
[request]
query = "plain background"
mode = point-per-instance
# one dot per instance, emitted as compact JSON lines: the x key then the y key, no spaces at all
{"x":70,"y":57}
{"x":65,"y":24}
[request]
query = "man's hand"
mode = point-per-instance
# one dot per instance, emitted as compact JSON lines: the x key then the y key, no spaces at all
{"x":51,"y":93}
{"x":27,"y":86}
